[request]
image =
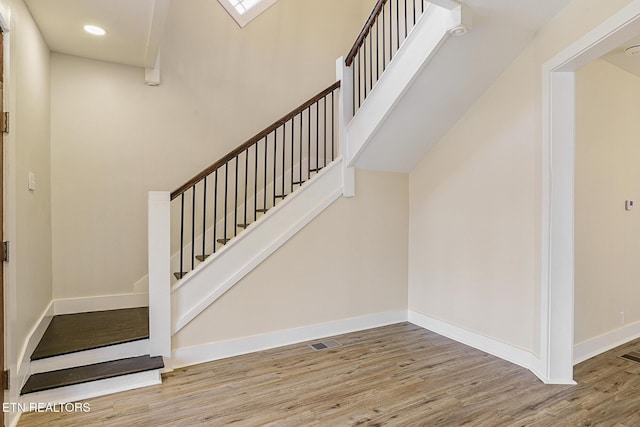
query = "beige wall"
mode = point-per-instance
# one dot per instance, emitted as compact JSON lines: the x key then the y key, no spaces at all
{"x":350,"y":261}
{"x":475,"y":199}
{"x":28,"y":221}
{"x":607,"y":245}
{"x":114,"y":139}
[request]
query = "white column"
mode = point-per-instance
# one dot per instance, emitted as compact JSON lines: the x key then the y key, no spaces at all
{"x":160,"y":275}
{"x":345,"y":113}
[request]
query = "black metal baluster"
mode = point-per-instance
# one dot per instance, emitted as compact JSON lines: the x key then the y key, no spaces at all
{"x":333,"y":157}
{"x":309,"y":143}
{"x":255,"y":184}
{"x":377,"y":48}
{"x":364,"y":44}
{"x":325,"y":129}
{"x":390,"y":30}
{"x":246,"y":183}
{"x":370,"y":59}
{"x":422,"y":4}
{"x":397,"y":25}
{"x":384,"y":44}
{"x":264,"y":184}
{"x":359,"y":87}
{"x":181,"y":235}
{"x":235,"y":203}
{"x":353,"y":79}
{"x":293,"y":128}
{"x":215,"y":210}
{"x":405,"y":19}
{"x":317,"y":136}
{"x":226,"y":198}
{"x":414,"y":12}
{"x":300,"y":154}
{"x":275,"y":163}
{"x":284,"y":139}
{"x":204,"y":218}
{"x":193,"y":226}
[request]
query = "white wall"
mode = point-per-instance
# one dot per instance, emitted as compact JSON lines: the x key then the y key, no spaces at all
{"x":350,"y":261}
{"x":606,"y":236}
{"x":114,"y":139}
{"x":27,"y":149}
{"x":474,"y":245}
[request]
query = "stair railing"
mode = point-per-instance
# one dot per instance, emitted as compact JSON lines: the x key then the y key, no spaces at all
{"x":227,"y":197}
{"x":388,"y":26}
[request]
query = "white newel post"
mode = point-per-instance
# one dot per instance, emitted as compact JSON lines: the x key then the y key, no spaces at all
{"x":159,"y":275}
{"x":345,"y":114}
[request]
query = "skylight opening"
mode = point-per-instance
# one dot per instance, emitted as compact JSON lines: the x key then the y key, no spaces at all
{"x":244,"y":11}
{"x":242,"y":6}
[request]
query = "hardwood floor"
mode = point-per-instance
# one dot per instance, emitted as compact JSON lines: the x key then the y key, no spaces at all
{"x":399,"y":375}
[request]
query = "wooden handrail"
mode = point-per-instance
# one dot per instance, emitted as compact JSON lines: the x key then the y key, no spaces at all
{"x":199,"y":177}
{"x":365,"y":31}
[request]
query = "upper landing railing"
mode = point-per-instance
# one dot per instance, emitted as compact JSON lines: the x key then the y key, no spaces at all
{"x":388,"y":26}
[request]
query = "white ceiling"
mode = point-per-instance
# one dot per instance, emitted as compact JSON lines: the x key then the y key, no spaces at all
{"x":618,"y":58}
{"x":132,"y":28}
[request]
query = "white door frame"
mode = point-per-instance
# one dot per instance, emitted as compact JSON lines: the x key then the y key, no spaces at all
{"x":558,"y":132}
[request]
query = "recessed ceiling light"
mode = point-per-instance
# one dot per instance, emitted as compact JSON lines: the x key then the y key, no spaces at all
{"x":95,"y":30}
{"x":633,"y":50}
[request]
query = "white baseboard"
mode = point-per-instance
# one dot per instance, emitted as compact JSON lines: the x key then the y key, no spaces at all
{"x":605,"y":342}
{"x":31,"y":341}
{"x":79,"y":392}
{"x":220,"y":350}
{"x":100,"y":303}
{"x":489,"y":345}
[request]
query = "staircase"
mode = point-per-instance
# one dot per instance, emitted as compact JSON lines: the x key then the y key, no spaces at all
{"x":206,"y":235}
{"x":88,"y":354}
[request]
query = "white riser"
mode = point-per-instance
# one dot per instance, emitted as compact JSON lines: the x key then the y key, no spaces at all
{"x":87,"y":357}
{"x":78,"y":392}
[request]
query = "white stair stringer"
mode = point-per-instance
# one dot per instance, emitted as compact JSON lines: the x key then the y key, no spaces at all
{"x":219,"y":273}
{"x":424,"y":41}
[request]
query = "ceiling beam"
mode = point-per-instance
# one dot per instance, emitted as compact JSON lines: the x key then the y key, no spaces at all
{"x":156,"y":32}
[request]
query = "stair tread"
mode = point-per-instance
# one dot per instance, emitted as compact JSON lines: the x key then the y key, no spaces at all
{"x":179,"y":275}
{"x":97,"y":371}
{"x":244,"y":225}
{"x":70,"y":333}
{"x":281,"y":196}
{"x":318,"y":169}
{"x":224,"y":241}
{"x":262,"y":210}
{"x":201,"y":258}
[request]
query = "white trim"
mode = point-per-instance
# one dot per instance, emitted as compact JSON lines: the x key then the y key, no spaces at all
{"x":90,"y":357}
{"x":159,"y":262}
{"x":605,"y":342}
{"x":220,"y":350}
{"x":75,"y":393}
{"x":478,"y":341}
{"x":557,"y":243}
{"x":31,"y":341}
{"x":243,"y":19}
{"x":100,"y":303}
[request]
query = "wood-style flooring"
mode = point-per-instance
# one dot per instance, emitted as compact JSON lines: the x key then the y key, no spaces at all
{"x":399,"y":375}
